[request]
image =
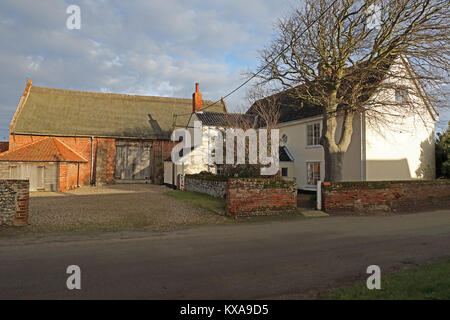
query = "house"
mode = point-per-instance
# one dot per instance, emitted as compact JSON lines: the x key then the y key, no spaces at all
{"x":399,"y":150}
{"x":211,"y":124}
{"x":61,"y":139}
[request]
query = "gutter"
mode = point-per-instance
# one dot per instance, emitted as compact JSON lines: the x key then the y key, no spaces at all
{"x":294,"y":122}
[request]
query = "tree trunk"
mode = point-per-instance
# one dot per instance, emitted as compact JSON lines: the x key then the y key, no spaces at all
{"x":336,"y":160}
{"x":334,"y":152}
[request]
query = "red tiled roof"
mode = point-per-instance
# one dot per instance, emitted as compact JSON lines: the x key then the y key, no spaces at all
{"x":46,"y":150}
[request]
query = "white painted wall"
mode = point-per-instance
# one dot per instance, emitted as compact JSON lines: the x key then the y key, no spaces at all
{"x":302,"y":153}
{"x":402,"y":146}
{"x":200,"y":152}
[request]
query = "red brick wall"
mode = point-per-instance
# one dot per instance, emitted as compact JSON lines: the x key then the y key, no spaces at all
{"x":385,"y":196}
{"x":23,"y":203}
{"x":14,"y":202}
{"x":259,"y":196}
{"x":105,"y":161}
{"x":4,"y":146}
{"x":68,"y":179}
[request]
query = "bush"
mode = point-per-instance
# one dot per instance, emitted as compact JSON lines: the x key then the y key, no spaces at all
{"x":442,"y":148}
{"x":205,"y":175}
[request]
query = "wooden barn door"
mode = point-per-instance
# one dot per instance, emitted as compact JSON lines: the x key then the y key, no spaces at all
{"x":133,"y":162}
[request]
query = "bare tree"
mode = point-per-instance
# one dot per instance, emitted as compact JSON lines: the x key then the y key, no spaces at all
{"x":336,"y":55}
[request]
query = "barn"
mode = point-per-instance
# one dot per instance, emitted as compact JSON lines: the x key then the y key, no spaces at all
{"x":62,"y":139}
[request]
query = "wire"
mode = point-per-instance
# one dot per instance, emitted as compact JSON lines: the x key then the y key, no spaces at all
{"x":271,"y":61}
{"x":265,"y":66}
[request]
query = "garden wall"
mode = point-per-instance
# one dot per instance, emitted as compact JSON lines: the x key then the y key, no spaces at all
{"x":260,"y":196}
{"x":215,"y":188}
{"x":385,"y":196}
{"x":14,"y":202}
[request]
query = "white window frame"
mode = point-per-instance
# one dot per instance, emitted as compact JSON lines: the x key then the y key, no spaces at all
{"x":315,"y":140}
{"x":287,"y":172}
{"x":307,"y":173}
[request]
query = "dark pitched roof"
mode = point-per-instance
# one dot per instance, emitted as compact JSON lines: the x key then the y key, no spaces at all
{"x":224,"y":119}
{"x":46,"y":150}
{"x":285,"y":155}
{"x":292,"y":108}
{"x":59,"y":112}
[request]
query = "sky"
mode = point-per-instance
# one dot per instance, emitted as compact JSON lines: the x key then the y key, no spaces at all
{"x":145,"y":47}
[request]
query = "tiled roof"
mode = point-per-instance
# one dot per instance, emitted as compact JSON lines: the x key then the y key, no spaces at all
{"x":46,"y":150}
{"x":224,"y":119}
{"x":56,"y":112}
{"x":292,"y":107}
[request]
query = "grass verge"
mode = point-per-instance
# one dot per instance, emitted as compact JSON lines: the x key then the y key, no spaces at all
{"x":202,"y":200}
{"x":428,"y":282}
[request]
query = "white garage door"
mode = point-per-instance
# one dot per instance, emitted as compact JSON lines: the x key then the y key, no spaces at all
{"x":36,"y":174}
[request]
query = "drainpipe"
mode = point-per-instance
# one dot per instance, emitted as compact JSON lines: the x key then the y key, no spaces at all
{"x":92,"y":161}
{"x":78,"y":175}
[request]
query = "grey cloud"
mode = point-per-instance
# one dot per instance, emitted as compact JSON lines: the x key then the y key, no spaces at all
{"x":158,"y":47}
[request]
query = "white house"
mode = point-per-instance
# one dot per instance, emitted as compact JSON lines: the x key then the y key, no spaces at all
{"x":401,"y":148}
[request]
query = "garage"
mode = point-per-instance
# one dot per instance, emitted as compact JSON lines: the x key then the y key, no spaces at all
{"x":45,"y":163}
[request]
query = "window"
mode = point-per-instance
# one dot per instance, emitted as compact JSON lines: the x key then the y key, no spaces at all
{"x":313,"y":173}
{"x":401,"y":96}
{"x":284,"y":172}
{"x":313,"y":134}
{"x":284,"y":138}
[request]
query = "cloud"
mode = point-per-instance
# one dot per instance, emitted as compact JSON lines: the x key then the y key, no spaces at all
{"x":158,"y":47}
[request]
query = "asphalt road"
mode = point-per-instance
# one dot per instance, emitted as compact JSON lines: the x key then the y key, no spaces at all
{"x":288,"y":259}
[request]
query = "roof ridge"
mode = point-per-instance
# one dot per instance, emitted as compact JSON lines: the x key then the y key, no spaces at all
{"x":118,"y":95}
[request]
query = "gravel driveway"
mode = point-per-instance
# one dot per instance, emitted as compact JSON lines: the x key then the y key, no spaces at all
{"x":110,"y":208}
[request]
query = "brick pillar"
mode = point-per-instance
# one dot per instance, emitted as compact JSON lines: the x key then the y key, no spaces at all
{"x":23,"y":204}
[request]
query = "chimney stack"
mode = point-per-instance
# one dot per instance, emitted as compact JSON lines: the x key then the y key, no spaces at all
{"x":196,"y":100}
